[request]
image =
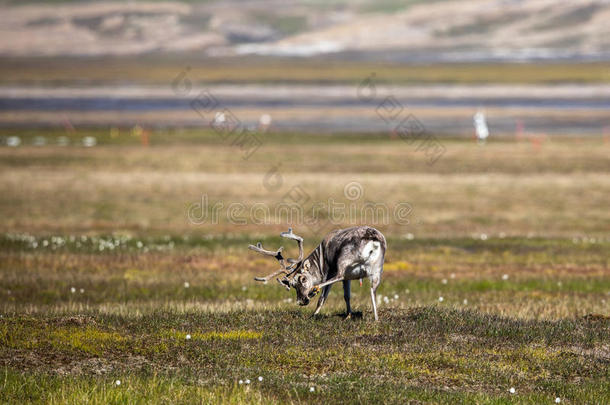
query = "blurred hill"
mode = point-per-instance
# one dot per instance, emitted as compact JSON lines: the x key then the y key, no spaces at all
{"x":387,"y":30}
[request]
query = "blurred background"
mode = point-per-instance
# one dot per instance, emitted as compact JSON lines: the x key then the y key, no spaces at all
{"x":533,"y":65}
{"x":478,"y":116}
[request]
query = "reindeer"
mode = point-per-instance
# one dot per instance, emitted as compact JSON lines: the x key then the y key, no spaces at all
{"x":344,"y":255}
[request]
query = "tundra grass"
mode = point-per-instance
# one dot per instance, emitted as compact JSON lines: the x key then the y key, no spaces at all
{"x":163,"y":70}
{"x":500,"y":280}
{"x":506,"y":187}
{"x":429,"y":354}
{"x":552,"y":278}
{"x":523,"y":313}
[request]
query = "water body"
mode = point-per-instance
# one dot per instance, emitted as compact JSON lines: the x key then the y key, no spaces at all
{"x":566,"y":109}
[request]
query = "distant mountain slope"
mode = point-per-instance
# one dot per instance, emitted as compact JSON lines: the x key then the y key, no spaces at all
{"x":408,"y":30}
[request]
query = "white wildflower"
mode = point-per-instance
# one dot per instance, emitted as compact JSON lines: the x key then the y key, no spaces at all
{"x":13,"y":141}
{"x":89,"y":141}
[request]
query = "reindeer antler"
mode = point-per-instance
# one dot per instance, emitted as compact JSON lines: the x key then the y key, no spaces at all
{"x":288,"y":270}
{"x":277,"y":254}
{"x":259,"y":248}
{"x":290,"y":235}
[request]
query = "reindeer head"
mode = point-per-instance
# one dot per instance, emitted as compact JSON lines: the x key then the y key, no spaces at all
{"x":295,"y":271}
{"x":303,"y":282}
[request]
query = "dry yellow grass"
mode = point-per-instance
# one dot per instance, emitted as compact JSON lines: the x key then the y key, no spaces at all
{"x":511,"y":188}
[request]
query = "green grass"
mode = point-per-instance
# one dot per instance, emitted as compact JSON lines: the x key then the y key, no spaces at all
{"x":138,"y":389}
{"x":427,"y":353}
{"x":542,"y":330}
{"x":532,"y":330}
{"x":143,"y":270}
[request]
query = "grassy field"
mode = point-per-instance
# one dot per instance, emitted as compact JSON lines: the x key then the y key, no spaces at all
{"x":162,"y":70}
{"x":499,"y":278}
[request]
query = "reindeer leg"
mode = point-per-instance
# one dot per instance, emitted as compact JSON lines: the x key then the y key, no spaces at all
{"x":322,"y":299}
{"x":375,"y":281}
{"x":329,"y":282}
{"x":373,"y":300}
{"x":347,"y":290}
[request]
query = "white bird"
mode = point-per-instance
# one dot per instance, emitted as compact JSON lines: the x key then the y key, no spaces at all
{"x":480,"y":125}
{"x":265,"y":120}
